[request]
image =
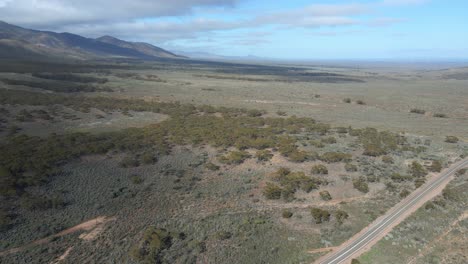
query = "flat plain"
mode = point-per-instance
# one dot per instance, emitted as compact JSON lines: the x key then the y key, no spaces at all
{"x":210,"y":162}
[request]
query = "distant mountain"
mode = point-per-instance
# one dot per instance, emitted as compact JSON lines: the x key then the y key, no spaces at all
{"x":212,"y":56}
{"x":18,"y":42}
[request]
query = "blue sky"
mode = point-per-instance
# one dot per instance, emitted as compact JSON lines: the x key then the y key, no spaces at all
{"x":326,"y":29}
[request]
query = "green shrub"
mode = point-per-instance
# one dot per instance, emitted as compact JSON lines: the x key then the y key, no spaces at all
{"x":320,"y":215}
{"x":234,"y":157}
{"x":281,"y":113}
{"x":350,"y":167}
{"x":436,"y":166}
{"x":223,"y":235}
{"x":5,"y":220}
{"x":440,"y":115}
{"x":325,"y":195}
{"x":329,"y":140}
{"x":387,"y":159}
{"x":355,"y":261}
{"x":451,"y":139}
{"x":129,"y":162}
{"x":136,"y":179}
{"x":148,"y":158}
{"x":286,"y":213}
{"x":300,"y":156}
{"x":417,"y":170}
{"x":263,"y":155}
{"x":341,"y":130}
{"x":396,"y":177}
{"x":317,"y":144}
{"x":211,"y":166}
{"x":360,"y":102}
{"x":419,"y":182}
{"x":272,"y":191}
{"x":340,"y":216}
{"x":254,"y":113}
{"x":332,"y":157}
{"x":460,"y":172}
{"x":319,"y":169}
{"x":417,"y":111}
{"x":347,"y":100}
{"x":361,"y":185}
{"x":149,"y":249}
{"x":404,"y":193}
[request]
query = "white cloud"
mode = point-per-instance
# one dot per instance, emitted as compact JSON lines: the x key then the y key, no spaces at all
{"x":65,"y":12}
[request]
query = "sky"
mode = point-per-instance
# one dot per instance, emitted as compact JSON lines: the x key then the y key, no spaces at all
{"x":293,"y":29}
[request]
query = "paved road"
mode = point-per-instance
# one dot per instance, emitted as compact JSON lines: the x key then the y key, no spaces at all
{"x":375,"y":229}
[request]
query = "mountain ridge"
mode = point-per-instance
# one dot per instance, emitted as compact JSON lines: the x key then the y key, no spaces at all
{"x":16,"y":41}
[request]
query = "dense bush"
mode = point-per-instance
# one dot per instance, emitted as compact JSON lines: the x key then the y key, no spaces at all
{"x":451,"y":139}
{"x":417,"y":170}
{"x":404,"y":193}
{"x":387,"y":159}
{"x":329,"y":140}
{"x":350,"y":167}
{"x":436,"y":166}
{"x":150,"y":248}
{"x":319,"y":169}
{"x":211,"y":166}
{"x":286,"y":213}
{"x":361,"y":185}
{"x":340,"y":216}
{"x":290,"y":183}
{"x":396,"y":177}
{"x":325,"y":195}
{"x":440,"y":115}
{"x":320,"y":215}
{"x":360,"y":102}
{"x":234,"y":157}
{"x":347,"y":100}
{"x":263,"y":155}
{"x":129,"y":162}
{"x":379,"y":143}
{"x":417,"y":111}
{"x":272,"y":191}
{"x":332,"y":157}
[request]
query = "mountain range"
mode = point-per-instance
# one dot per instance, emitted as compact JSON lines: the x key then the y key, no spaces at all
{"x":17,"y":42}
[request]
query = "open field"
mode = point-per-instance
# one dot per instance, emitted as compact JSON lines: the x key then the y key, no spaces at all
{"x":204,"y":162}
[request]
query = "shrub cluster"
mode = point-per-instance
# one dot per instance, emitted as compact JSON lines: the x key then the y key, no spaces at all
{"x":289,"y":183}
